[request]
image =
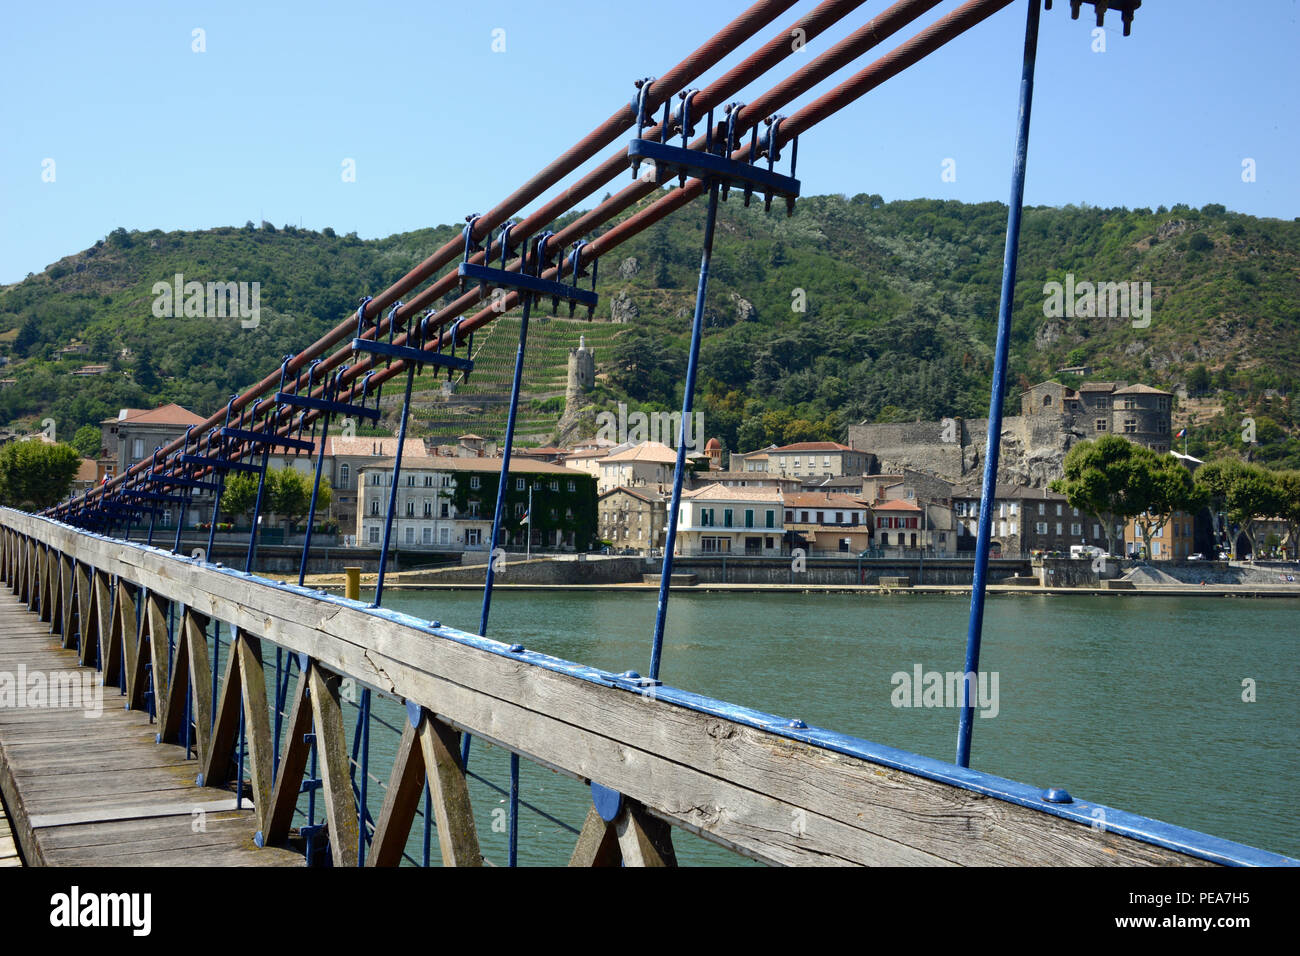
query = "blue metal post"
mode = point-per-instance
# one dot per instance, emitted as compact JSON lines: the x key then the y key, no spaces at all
{"x":505,"y":467}
{"x":392,"y":491}
{"x":989,"y":486}
{"x":688,"y":396}
{"x":513,"y":855}
{"x":364,"y":814}
{"x":257,"y":509}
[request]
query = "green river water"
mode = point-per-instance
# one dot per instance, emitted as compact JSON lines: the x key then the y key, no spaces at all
{"x":1135,"y":703}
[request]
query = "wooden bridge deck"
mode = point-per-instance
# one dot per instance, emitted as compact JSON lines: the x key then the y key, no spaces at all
{"x":97,"y":790}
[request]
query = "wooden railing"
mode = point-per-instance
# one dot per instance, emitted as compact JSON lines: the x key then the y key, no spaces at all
{"x":765,"y":787}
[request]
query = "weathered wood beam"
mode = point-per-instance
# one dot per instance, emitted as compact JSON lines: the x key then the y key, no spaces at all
{"x":87,"y":615}
{"x":642,"y":839}
{"x":457,"y":835}
{"x":257,"y":722}
{"x":224,"y":737}
{"x":405,"y":788}
{"x":597,"y":843}
{"x":200,"y":680}
{"x":332,"y":752}
{"x":293,"y":764}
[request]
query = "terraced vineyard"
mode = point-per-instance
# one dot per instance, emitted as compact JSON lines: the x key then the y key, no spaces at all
{"x":481,"y":405}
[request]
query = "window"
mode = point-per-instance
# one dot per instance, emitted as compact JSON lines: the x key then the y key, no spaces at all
{"x":804,"y":519}
{"x":573,"y":485}
{"x":726,"y":517}
{"x":839,"y":517}
{"x":771,"y":520}
{"x":444,"y":536}
{"x":410,"y":510}
{"x":410,"y":481}
{"x":749,"y":517}
{"x":474,"y":482}
{"x":789,"y":517}
{"x":137,"y":448}
{"x":1058,"y":527}
{"x":446,"y":510}
{"x":1101,"y":424}
{"x":519,"y":484}
{"x":1076,"y":529}
{"x":1058,"y":510}
{"x":374,"y":506}
{"x":826,"y":461}
{"x":1130,"y":426}
{"x":410,"y":536}
{"x":426,"y":536}
{"x":374,"y":535}
{"x":519,"y":509}
{"x":555,"y":485}
{"x":344,"y":475}
{"x":1041,"y":527}
{"x":428,"y":508}
{"x":428,"y":481}
{"x":374,"y":478}
{"x":473,"y":537}
{"x":1042,"y":508}
{"x":446,"y":481}
{"x":473,"y":509}
{"x":706,"y":517}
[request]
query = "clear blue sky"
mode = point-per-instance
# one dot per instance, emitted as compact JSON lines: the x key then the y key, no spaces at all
{"x":145,"y":133}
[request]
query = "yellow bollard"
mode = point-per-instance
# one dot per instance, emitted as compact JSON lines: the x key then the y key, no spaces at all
{"x":352,"y":588}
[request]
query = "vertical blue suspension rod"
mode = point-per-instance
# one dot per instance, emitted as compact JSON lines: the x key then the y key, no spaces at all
{"x":510,"y":429}
{"x":989,"y":486}
{"x":392,"y":491}
{"x":688,"y":396}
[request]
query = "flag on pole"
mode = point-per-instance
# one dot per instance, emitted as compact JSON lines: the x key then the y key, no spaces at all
{"x":524,"y":519}
{"x":1182,"y":433}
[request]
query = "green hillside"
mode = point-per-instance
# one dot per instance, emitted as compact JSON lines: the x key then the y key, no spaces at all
{"x":898,"y":303}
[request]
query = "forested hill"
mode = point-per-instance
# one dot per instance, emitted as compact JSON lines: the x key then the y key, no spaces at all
{"x":854,"y":309}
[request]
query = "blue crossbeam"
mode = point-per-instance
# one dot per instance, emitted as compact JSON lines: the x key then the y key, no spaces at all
{"x":413,"y":355}
{"x":267,"y":438}
{"x":527,"y":283}
{"x":152,"y":495}
{"x":184,"y":482}
{"x":669,"y":160}
{"x":223,"y":464}
{"x":321,"y":405}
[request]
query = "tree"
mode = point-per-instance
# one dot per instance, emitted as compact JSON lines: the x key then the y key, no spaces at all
{"x":1288,"y":483}
{"x":36,"y":475}
{"x":289,"y":494}
{"x":87,"y":441}
{"x":1161,"y":486}
{"x":1253,"y":496}
{"x":240,"y":494}
{"x":1099,"y":480}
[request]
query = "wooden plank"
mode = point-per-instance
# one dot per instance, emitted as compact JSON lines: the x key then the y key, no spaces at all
{"x":121,"y":623}
{"x":401,"y":799}
{"x":156,"y":610}
{"x":171,"y":713}
{"x":257,"y":722}
{"x":87,"y":616}
{"x":224,"y":736}
{"x":332,"y":753}
{"x":597,"y":843}
{"x":457,"y":835}
{"x":67,"y":610}
{"x":200,"y":680}
{"x":293,"y":763}
{"x":643,"y":840}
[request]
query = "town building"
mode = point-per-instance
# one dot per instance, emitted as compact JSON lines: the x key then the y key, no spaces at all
{"x":721,"y":519}
{"x":633,"y":518}
{"x":826,"y":459}
{"x":447,"y":502}
{"x":827,"y":523}
{"x":647,"y":464}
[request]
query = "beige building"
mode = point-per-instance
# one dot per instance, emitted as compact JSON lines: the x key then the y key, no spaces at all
{"x":633,"y":518}
{"x":828,"y":523}
{"x":718,"y":519}
{"x":825,"y":458}
{"x":647,"y":464}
